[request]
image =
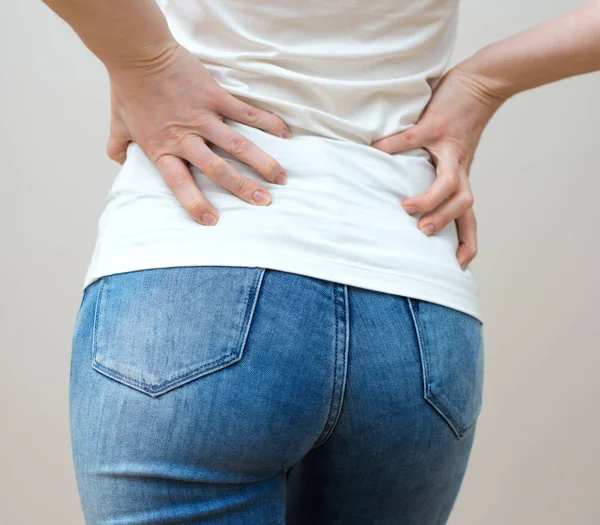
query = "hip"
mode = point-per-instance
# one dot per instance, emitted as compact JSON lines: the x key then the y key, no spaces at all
{"x":228,"y":376}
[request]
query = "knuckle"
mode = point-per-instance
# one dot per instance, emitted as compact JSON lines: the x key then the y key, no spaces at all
{"x":177,"y":135}
{"x":202,"y":122}
{"x":216,"y":167}
{"x":242,"y":186}
{"x":216,"y":97}
{"x":174,"y":179}
{"x":238,"y":145}
{"x":272,"y":167}
{"x":252,"y":114}
{"x":453,"y":179}
{"x":471,"y":251}
{"x":410,"y":136}
{"x":467,"y":199}
{"x":155,"y":151}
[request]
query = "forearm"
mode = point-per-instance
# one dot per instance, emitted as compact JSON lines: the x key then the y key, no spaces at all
{"x":562,"y":47}
{"x":121,"y":33}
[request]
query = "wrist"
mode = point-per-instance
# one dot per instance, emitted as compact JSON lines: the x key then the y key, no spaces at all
{"x":150,"y":58}
{"x":486,"y":76}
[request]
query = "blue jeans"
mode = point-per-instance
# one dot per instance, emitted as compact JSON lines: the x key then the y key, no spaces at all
{"x":250,"y":396}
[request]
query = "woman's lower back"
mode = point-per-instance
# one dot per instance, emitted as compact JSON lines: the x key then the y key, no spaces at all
{"x":341,"y":77}
{"x":338,"y":218}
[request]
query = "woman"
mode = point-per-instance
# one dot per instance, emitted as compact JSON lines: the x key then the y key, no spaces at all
{"x":278,"y":323}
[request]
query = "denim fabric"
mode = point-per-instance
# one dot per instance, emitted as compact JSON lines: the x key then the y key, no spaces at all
{"x":249,"y":396}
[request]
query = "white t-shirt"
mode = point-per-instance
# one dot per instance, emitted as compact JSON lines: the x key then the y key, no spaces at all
{"x":341,"y":74}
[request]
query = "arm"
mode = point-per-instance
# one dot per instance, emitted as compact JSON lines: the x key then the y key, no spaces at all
{"x":118,"y":32}
{"x":165,"y":100}
{"x":467,"y":97}
{"x":562,"y":47}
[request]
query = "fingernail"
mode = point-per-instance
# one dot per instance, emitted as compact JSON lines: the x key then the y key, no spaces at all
{"x":260,"y":197}
{"x":428,"y":229}
{"x":286,"y":134}
{"x":208,"y":219}
{"x":281,"y":178}
{"x":410,"y":209}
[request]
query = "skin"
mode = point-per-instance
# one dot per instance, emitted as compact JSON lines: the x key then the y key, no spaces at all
{"x":176,"y":107}
{"x":467,"y":97}
{"x":165,"y":100}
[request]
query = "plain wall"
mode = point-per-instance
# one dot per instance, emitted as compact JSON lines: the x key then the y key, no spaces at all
{"x":536,"y":459}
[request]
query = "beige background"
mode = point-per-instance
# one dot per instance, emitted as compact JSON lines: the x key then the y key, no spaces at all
{"x":536,"y":183}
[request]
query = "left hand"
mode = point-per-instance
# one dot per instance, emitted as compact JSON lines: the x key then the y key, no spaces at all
{"x":449,"y":129}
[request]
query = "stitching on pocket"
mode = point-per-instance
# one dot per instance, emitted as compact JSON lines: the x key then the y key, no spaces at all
{"x":155,"y":390}
{"x":99,"y":295}
{"x":250,"y":311}
{"x":437,"y":401}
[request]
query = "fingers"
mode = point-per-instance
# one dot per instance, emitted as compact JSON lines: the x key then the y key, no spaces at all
{"x":449,"y":197}
{"x":231,"y":107}
{"x":194,"y":149}
{"x":415,"y":137}
{"x":239,"y":146}
{"x":453,"y":207}
{"x":466,"y":225}
{"x":446,"y":183}
{"x":179,"y":179}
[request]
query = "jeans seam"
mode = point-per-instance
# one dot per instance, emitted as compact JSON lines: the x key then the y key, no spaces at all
{"x":341,"y":353}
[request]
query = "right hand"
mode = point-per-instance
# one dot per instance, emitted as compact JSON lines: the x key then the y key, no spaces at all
{"x":449,"y":128}
{"x":170,"y":108}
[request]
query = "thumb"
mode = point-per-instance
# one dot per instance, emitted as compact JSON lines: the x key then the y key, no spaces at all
{"x":411,"y":138}
{"x":119,"y":139}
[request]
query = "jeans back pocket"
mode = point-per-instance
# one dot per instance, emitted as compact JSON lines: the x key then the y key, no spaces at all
{"x":157,"y":329}
{"x":452,"y":357}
